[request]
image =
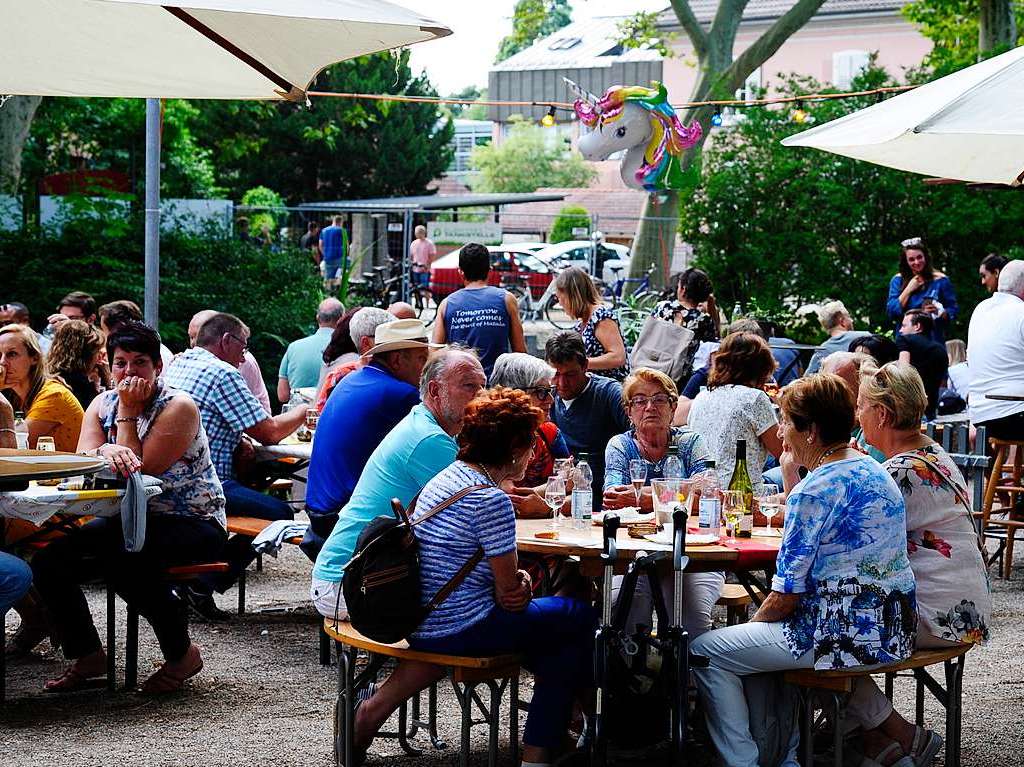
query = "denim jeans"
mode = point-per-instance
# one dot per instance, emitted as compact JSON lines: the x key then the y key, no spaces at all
{"x":97,"y":549}
{"x":734,"y":652}
{"x":15,"y":579}
{"x":556,"y":637}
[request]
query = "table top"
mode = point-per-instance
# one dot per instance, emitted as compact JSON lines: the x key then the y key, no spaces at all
{"x":290,"y":447}
{"x":588,"y":543}
{"x":1006,"y":397}
{"x":38,"y":503}
{"x":20,"y":465}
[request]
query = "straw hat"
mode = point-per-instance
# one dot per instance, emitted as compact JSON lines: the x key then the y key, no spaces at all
{"x":400,"y":334}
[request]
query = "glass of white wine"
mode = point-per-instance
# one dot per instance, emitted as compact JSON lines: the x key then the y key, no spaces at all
{"x":770,"y":501}
{"x":638,"y":476}
{"x":554,"y":495}
{"x":733,"y":507}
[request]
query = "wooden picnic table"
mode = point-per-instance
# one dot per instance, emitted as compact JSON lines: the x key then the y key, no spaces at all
{"x":21,"y":466}
{"x":1006,"y":397}
{"x":743,"y":555}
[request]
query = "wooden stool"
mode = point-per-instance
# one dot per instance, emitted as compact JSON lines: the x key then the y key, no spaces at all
{"x":1004,"y":479}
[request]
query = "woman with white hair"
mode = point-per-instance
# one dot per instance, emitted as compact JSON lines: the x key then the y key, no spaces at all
{"x":516,"y":370}
{"x":836,"y":321}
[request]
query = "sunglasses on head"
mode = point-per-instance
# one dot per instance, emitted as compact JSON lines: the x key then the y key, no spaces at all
{"x":913,"y":242}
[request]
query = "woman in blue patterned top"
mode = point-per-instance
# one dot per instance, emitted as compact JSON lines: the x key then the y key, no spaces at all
{"x":602,"y":336}
{"x":491,"y":612}
{"x":843,"y":593}
{"x":143,"y":426}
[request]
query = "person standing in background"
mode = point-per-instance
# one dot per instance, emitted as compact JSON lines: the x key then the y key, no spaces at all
{"x":422,"y":253}
{"x":920,"y":286}
{"x":334,"y":249}
{"x":310,"y":241}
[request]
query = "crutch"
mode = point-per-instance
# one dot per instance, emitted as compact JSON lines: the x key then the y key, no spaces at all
{"x":604,"y":641}
{"x":678,"y":640}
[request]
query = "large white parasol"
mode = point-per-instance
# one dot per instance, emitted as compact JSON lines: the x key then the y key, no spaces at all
{"x":204,"y":49}
{"x":967,"y":126}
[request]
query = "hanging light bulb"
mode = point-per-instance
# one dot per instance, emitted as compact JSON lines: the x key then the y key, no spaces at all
{"x":799,"y":116}
{"x":548,"y":120}
{"x":716,"y":118}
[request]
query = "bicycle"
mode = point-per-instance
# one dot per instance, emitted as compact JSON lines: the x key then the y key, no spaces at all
{"x":422,"y":299}
{"x":614,"y":292}
{"x":530,"y":308}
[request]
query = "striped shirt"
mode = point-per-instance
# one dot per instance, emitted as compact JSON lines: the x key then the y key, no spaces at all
{"x":484,"y":518}
{"x":225,"y":403}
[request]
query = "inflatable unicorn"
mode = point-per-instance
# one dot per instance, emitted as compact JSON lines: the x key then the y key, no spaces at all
{"x":642,"y":122}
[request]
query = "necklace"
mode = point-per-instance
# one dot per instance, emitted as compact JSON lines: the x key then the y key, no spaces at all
{"x":828,"y":453}
{"x":483,"y":470}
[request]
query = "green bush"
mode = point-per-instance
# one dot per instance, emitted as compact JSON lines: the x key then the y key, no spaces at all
{"x":274,"y":292}
{"x":569,"y":217}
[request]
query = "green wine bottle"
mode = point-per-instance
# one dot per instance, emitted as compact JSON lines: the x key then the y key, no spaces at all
{"x":741,"y":483}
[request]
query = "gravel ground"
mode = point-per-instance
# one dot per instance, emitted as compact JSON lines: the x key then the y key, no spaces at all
{"x":263,"y":699}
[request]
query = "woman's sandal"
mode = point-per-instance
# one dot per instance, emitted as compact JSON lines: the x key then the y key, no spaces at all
{"x":925,"y":746}
{"x":72,"y":679}
{"x":167,"y":680}
{"x":892,"y":749}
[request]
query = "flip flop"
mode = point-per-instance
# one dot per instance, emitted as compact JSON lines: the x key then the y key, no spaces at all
{"x":879,"y":759}
{"x":166,"y":681}
{"x":72,"y":679}
{"x":925,"y":746}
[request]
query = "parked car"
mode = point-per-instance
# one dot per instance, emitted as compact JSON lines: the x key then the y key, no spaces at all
{"x":577,"y":253}
{"x":506,"y":262}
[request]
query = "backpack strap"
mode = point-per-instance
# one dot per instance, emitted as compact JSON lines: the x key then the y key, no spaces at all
{"x":958,"y":491}
{"x":446,"y":503}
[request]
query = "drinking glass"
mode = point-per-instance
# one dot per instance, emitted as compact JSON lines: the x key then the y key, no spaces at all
{"x":665,"y":494}
{"x":733,"y":507}
{"x":47,"y":444}
{"x":770,"y":501}
{"x":562,"y":467}
{"x":554,"y":495}
{"x":638,"y":476}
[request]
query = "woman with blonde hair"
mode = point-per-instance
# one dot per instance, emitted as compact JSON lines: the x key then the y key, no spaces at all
{"x":954,"y":604}
{"x":74,"y":360}
{"x":602,"y":336}
{"x":958,"y":377}
{"x":50,"y":408}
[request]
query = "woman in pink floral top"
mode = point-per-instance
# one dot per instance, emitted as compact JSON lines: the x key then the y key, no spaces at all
{"x":953,"y":600}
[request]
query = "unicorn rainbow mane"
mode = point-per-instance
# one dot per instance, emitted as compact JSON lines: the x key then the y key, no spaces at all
{"x":669,"y":137}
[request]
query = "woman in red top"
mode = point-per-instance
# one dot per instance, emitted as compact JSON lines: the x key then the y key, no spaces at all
{"x":533,"y":376}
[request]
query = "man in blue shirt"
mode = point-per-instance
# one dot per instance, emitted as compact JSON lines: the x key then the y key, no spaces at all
{"x":300,"y":366}
{"x":588,"y":408}
{"x":334,"y":247}
{"x":360,"y":412}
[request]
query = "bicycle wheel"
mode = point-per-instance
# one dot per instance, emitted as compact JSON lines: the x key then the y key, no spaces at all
{"x":522,"y":300}
{"x":556,"y":315}
{"x":424,"y":304}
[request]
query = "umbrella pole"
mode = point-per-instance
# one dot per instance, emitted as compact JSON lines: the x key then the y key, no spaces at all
{"x":152,"y":283}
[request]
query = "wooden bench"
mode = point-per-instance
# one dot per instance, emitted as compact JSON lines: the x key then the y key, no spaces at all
{"x":836,"y":686}
{"x":466,"y":673}
{"x":251,"y":527}
{"x":736,"y":599}
{"x":173,"y":575}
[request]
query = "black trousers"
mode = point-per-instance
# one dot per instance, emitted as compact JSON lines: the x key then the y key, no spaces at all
{"x":1009,"y":427}
{"x":96,"y":550}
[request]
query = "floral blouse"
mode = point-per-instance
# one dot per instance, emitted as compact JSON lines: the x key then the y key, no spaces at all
{"x":844,"y":552}
{"x":594,"y":347}
{"x":953,"y":597}
{"x":623,"y":448}
{"x":699,"y":322}
{"x":190,"y":485}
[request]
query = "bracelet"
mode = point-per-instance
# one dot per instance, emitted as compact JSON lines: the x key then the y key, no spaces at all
{"x":127,"y":419}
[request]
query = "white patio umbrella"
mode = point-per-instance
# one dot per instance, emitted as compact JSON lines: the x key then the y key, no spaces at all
{"x":203,"y":49}
{"x":967,"y":126}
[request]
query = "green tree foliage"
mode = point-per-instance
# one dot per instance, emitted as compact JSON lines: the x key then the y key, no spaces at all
{"x":530,"y":157}
{"x":336,"y":148}
{"x":532,"y":20}
{"x":953,"y":27}
{"x":469,"y":110}
{"x":568,"y":217}
{"x":262,"y":197}
{"x":784,"y":227}
{"x":641,"y":31}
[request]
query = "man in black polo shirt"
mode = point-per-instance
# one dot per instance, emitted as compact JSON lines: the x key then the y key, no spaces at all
{"x":928,"y":356}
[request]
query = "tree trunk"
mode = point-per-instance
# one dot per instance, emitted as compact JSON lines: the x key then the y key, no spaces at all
{"x":15,"y":120}
{"x":997,"y":26}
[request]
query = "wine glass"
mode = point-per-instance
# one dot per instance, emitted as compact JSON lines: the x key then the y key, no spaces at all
{"x":638,"y":476}
{"x":733,"y":507}
{"x":554,"y":495}
{"x":770,"y":501}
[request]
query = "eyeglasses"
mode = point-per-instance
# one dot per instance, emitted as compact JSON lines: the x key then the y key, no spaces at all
{"x":913,"y":242}
{"x":245,"y":344}
{"x":658,"y":400}
{"x":541,"y":392}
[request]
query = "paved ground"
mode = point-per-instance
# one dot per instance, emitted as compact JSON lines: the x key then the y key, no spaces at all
{"x":264,"y":700}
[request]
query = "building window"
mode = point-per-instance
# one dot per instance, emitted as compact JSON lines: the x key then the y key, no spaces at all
{"x":564,"y":43}
{"x":846,"y":65}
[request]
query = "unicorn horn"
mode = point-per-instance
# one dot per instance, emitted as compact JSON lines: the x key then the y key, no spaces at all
{"x":581,"y":94}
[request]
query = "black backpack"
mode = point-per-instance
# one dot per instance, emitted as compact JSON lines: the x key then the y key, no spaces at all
{"x":382,"y":580}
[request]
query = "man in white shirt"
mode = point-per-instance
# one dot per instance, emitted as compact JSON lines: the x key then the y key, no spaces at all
{"x":995,"y":356}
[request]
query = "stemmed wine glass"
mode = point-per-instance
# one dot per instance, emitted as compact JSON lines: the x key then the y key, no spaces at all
{"x":554,"y":495}
{"x":770,"y":501}
{"x":638,"y":476}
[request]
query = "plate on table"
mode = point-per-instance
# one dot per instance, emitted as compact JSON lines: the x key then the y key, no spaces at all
{"x":627,"y":515}
{"x":692,"y":539}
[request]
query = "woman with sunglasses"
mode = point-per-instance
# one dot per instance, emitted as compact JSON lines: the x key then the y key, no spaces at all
{"x":529,"y":374}
{"x":918,"y":285}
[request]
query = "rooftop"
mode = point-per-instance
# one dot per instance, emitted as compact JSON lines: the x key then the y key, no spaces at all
{"x":767,"y":10}
{"x":593,"y":43}
{"x":430,"y":202}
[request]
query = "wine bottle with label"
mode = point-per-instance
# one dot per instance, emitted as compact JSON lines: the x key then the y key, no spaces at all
{"x":741,"y":483}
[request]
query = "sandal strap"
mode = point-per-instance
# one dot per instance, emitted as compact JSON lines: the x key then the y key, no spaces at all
{"x":887,"y":751}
